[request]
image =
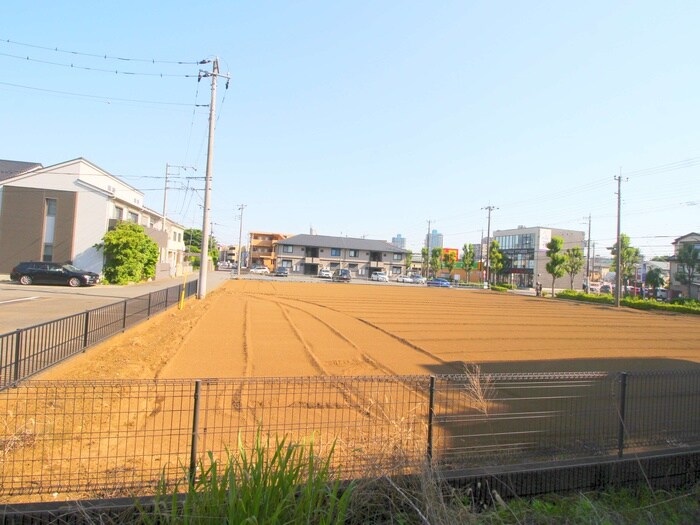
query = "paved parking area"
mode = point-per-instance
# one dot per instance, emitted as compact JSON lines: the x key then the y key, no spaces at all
{"x":23,"y":306}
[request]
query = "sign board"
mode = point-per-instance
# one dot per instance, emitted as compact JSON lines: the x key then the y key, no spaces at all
{"x":545,"y":238}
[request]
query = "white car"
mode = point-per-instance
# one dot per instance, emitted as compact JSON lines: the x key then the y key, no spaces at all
{"x":404,"y":279}
{"x":380,"y":276}
{"x":260,"y":270}
{"x":419,"y":279}
{"x":325,"y":273}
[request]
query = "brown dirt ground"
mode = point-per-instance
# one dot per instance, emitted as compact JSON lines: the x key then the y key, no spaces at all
{"x":270,"y":328}
{"x":274,"y":329}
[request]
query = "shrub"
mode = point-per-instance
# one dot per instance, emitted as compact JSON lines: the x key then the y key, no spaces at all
{"x":686,"y":307}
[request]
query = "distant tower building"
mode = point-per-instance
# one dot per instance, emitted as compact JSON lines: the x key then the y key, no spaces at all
{"x":434,"y":240}
{"x":398,"y":241}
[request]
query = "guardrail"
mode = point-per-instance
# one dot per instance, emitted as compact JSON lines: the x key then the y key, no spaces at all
{"x":30,"y":350}
{"x":124,"y":437}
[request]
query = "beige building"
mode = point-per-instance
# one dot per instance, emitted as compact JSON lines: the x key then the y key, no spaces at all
{"x":307,"y":254}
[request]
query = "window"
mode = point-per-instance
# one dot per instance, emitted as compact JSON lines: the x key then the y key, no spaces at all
{"x":286,"y":263}
{"x":335,"y":252}
{"x":133,"y":217}
{"x":118,"y":213}
{"x":398,"y":256}
{"x":353,"y":253}
{"x":352,"y":266}
{"x":286,"y":248}
{"x":49,"y":230}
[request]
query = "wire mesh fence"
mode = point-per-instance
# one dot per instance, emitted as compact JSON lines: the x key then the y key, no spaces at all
{"x":118,"y":437}
{"x":27,"y":351}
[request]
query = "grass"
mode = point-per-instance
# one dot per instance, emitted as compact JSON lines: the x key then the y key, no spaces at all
{"x":276,"y":483}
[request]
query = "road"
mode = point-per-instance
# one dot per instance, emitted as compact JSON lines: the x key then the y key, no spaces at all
{"x":23,"y":306}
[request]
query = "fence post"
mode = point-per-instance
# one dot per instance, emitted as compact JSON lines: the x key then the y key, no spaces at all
{"x":87,"y":330}
{"x":124,"y":317}
{"x":621,"y":410}
{"x":195,"y":427}
{"x":431,"y":413}
{"x":18,"y":353}
{"x":167,"y":292}
{"x":149,"y":305}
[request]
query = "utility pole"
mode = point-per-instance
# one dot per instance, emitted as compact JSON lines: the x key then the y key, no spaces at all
{"x":618,"y":265}
{"x":488,"y":243}
{"x":427,"y":246}
{"x":204,"y":256}
{"x":240,"y":236}
{"x":588,"y":257}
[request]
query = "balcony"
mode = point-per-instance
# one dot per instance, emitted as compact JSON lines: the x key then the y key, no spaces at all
{"x":312,"y":260}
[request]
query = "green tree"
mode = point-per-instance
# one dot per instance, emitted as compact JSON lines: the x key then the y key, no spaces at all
{"x":449,"y":259}
{"x":424,"y":261}
{"x":688,"y":260}
{"x":130,"y":254}
{"x":409,"y":261}
{"x":495,"y":259}
{"x":468,"y":256}
{"x":192,"y":238}
{"x":655,"y":279}
{"x":555,"y":266}
{"x":436,"y":261}
{"x":630,"y":257}
{"x":573,"y":263}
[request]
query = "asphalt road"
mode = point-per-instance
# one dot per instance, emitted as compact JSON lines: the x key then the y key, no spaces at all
{"x":23,"y":306}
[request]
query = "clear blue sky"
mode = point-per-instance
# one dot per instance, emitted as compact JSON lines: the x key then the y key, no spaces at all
{"x":371,"y":118}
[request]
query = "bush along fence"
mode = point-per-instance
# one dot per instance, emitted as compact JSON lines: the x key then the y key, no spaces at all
{"x":124,"y":437}
{"x":28,"y":351}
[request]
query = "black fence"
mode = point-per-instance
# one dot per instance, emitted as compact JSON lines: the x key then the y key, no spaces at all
{"x":118,"y":437}
{"x":27,"y":351}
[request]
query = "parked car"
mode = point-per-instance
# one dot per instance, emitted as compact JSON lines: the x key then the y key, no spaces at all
{"x":405,"y":279}
{"x":260,"y":270}
{"x":281,"y":272}
{"x":52,"y":273}
{"x":342,"y":275}
{"x":439,"y":282}
{"x":325,"y":273}
{"x":606,"y":288}
{"x":380,"y":276}
{"x":419,"y":279}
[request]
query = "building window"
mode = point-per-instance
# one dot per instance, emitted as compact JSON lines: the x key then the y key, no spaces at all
{"x":334,"y":266}
{"x":353,"y":253}
{"x":286,"y":263}
{"x":118,"y":213}
{"x":133,"y":217}
{"x":49,"y":230}
{"x":286,"y":248}
{"x":335,"y":252}
{"x":398,"y":256}
{"x":352,"y":267}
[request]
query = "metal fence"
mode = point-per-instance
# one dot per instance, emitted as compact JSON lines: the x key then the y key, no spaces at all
{"x":27,"y":351}
{"x":112,"y":437}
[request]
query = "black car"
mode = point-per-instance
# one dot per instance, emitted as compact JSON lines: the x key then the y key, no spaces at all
{"x":281,"y":272}
{"x":52,"y":273}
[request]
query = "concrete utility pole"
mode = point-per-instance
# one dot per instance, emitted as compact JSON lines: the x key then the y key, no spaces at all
{"x":618,"y":265}
{"x":426,"y":264}
{"x":588,"y":257}
{"x":488,"y":242}
{"x":204,"y":256}
{"x":240,"y":237}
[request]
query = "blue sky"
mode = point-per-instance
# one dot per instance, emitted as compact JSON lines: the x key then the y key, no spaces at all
{"x":371,"y":118}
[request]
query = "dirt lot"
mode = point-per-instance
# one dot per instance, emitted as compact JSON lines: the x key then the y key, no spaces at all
{"x":271,"y":329}
{"x":64,"y":437}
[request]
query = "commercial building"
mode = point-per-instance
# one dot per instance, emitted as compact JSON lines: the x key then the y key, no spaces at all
{"x":526,"y":250}
{"x":307,"y":254}
{"x":60,"y":213}
{"x":433,"y":240}
{"x":399,"y":241}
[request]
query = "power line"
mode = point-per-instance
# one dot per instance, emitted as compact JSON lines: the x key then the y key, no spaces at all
{"x":105,"y":99}
{"x":105,"y":56}
{"x":97,"y":69}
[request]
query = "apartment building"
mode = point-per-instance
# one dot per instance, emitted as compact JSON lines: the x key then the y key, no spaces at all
{"x":262,"y":248}
{"x":307,"y":254}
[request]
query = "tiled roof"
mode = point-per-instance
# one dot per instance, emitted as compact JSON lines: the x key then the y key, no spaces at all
{"x":12,"y":168}
{"x":327,"y":241}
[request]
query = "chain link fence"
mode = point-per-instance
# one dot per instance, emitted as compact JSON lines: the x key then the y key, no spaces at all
{"x":109,"y":438}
